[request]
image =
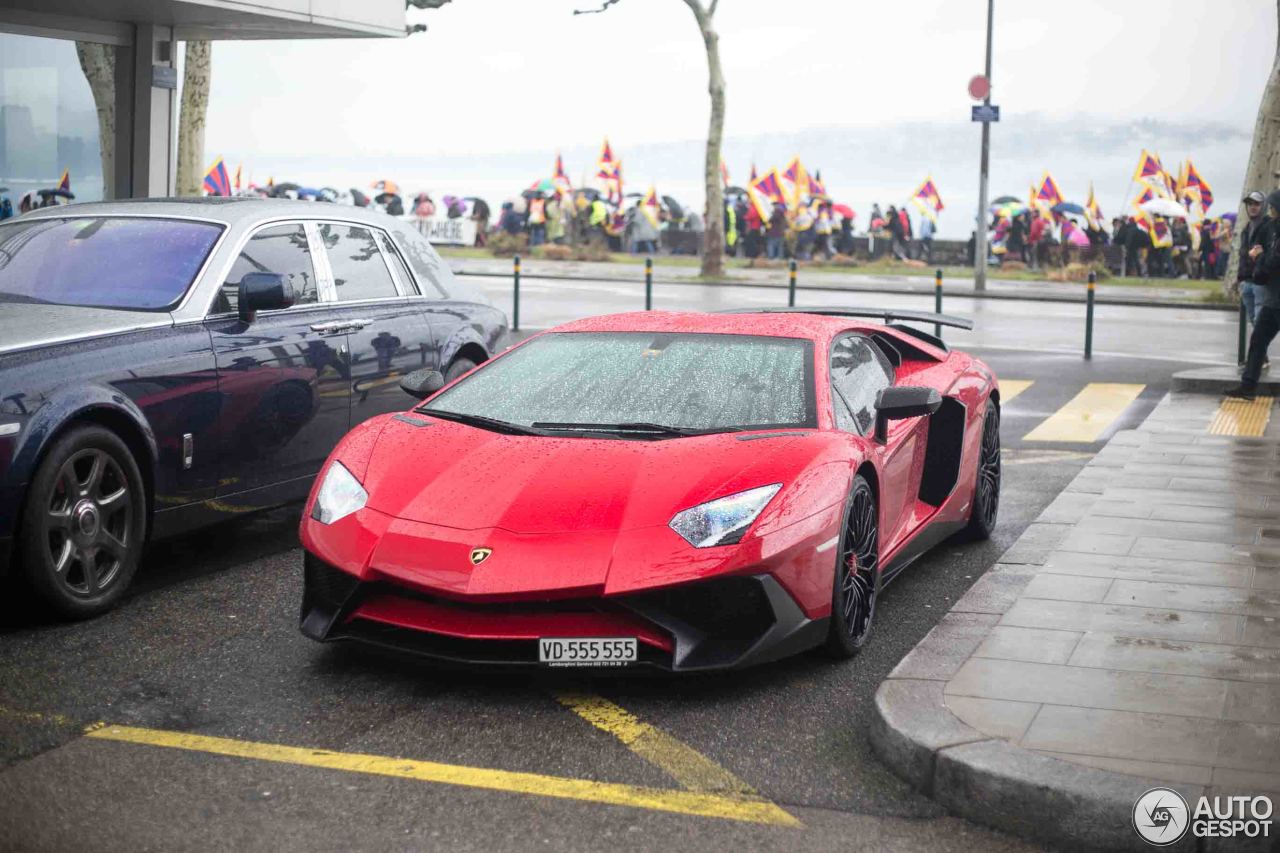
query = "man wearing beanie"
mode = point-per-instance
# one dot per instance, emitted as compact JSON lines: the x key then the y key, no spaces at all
{"x":1264,"y":251}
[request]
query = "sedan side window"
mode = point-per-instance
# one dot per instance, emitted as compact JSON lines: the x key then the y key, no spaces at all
{"x":393,"y":258}
{"x":858,"y":374}
{"x":358,"y":269}
{"x":280,"y":249}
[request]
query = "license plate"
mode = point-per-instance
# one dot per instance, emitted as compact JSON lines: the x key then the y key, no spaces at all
{"x":587,"y":651}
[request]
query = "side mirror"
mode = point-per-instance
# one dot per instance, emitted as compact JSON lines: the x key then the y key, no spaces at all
{"x":905,"y":401}
{"x":263,"y":291}
{"x":421,"y":384}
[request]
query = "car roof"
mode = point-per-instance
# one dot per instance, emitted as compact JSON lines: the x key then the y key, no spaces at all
{"x":234,"y":210}
{"x":813,"y":327}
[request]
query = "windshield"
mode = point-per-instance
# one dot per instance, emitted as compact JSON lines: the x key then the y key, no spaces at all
{"x":131,"y":263}
{"x":703,"y":382}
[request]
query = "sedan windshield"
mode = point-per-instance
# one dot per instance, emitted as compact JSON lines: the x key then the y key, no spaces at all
{"x":130,"y":263}
{"x":641,"y":383}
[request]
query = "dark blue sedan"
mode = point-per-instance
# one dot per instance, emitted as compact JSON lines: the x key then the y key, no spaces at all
{"x":166,"y":364}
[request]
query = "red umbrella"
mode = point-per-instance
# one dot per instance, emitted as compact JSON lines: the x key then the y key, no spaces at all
{"x":844,"y":210}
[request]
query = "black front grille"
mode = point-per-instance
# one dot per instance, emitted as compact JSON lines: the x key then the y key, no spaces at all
{"x":328,"y":586}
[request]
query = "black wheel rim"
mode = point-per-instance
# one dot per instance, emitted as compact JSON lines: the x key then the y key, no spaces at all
{"x":87,"y":522}
{"x":859,"y":563}
{"x":988,"y":496}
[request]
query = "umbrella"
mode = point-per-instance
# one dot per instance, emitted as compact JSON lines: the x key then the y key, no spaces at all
{"x":1165,"y":207}
{"x":386,"y":186}
{"x":1069,"y":207}
{"x":279,"y":190}
{"x":634,"y":195}
{"x":1009,"y":209}
{"x":308,"y":192}
{"x":56,"y":191}
{"x":734,"y":191}
{"x":1078,"y":237}
{"x":1005,"y":199}
{"x":359,"y":198}
{"x":533,"y":194}
{"x":674,"y":206}
{"x":1230,"y":216}
{"x":844,"y":210}
{"x":383,"y":198}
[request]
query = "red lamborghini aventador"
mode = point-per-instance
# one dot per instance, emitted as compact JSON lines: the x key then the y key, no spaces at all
{"x":686,"y":491}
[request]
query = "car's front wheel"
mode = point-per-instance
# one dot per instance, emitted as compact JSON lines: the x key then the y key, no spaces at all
{"x":857,"y":574}
{"x":458,"y":367}
{"x":83,"y":522}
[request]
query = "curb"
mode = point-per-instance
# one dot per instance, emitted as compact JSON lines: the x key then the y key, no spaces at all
{"x":907,"y":290}
{"x":985,"y":778}
{"x":1216,"y":380}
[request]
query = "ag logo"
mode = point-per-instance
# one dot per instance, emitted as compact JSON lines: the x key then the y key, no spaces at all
{"x":479,"y":555}
{"x":1161,"y":816}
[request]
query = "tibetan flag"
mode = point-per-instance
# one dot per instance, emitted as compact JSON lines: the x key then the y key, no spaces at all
{"x":797,"y":179}
{"x":1146,"y":192}
{"x":766,"y":191}
{"x":236,"y":185}
{"x":1092,"y":210}
{"x":607,"y":166}
{"x":216,"y":180}
{"x":753,"y":173}
{"x":1048,"y":194}
{"x":64,"y":183}
{"x":1148,"y":167}
{"x":560,"y":178}
{"x":927,"y":199}
{"x":650,"y":206}
{"x":1194,"y":181}
{"x":816,"y":186}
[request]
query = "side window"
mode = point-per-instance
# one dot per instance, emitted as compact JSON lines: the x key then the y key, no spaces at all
{"x":430,"y":267}
{"x":358,"y":270}
{"x":393,"y":258}
{"x":858,"y":374}
{"x":280,"y":249}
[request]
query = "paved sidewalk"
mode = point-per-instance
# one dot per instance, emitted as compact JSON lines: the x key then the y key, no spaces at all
{"x":1051,"y":291}
{"x":1131,"y":637}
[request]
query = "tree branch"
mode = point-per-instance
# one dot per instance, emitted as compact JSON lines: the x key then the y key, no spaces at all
{"x":603,"y":6}
{"x":711,"y":13}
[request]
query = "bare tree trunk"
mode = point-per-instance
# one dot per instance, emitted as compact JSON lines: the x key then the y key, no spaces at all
{"x":713,"y":246}
{"x":191,"y":121}
{"x":98,"y":61}
{"x":1264,"y":159}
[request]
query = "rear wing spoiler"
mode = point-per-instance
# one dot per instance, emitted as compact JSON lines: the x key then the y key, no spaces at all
{"x":887,"y":315}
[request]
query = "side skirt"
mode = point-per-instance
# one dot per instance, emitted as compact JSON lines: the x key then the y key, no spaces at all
{"x":932,"y":534}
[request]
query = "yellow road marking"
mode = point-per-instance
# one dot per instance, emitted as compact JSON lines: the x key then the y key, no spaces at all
{"x":1010,"y":388}
{"x":1242,"y":417}
{"x":693,"y":770}
{"x":1040,"y":457}
{"x":657,"y":799}
{"x":1088,"y":414}
{"x":36,"y":717}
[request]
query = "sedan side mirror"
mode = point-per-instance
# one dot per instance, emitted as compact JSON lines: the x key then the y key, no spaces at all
{"x":904,"y":401}
{"x":263,"y":291}
{"x":421,"y":384}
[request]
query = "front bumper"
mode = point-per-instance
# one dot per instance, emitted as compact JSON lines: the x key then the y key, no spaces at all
{"x":724,"y":623}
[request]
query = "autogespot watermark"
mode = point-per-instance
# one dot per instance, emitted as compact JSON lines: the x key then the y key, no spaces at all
{"x":1162,"y":817}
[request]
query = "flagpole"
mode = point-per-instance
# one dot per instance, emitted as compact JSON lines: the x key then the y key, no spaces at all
{"x":980,"y":261}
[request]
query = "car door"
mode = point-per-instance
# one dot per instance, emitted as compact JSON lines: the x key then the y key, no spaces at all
{"x":387,"y":334}
{"x":282,"y":378}
{"x":859,"y":372}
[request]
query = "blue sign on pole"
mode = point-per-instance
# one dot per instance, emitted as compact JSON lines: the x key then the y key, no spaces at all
{"x":986,"y":112}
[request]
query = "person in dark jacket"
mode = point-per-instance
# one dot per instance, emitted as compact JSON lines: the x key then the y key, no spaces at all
{"x":1016,"y":244}
{"x":897,"y":233}
{"x":1244,"y":274}
{"x":1264,"y":250}
{"x":1137,"y":245}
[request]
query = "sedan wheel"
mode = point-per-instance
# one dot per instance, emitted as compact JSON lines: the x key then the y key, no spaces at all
{"x":83,"y":523}
{"x":857,"y":579}
{"x":986,"y":492}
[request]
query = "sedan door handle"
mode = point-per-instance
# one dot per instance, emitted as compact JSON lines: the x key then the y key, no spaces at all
{"x":358,"y":324}
{"x":329,"y":328}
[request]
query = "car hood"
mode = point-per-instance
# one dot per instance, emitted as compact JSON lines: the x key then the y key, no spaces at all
{"x":458,"y":476}
{"x":28,"y":324}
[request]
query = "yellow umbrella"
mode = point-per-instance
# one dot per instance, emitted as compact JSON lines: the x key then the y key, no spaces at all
{"x":387,"y":186}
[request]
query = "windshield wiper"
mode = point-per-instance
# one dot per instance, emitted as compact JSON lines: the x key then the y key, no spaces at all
{"x":630,"y":427}
{"x":481,"y":421}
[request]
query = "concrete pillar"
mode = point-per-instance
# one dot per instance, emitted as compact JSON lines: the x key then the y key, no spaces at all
{"x":153,"y":108}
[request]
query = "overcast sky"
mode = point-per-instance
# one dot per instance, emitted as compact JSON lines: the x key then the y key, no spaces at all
{"x":495,"y":75}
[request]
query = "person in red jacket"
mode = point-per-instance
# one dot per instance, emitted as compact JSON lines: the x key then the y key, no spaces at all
{"x":1035,"y":239}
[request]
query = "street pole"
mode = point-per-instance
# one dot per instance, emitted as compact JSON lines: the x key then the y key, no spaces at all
{"x":980,"y":259}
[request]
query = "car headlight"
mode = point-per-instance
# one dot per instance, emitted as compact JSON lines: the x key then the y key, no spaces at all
{"x":722,"y":521}
{"x":340,"y":495}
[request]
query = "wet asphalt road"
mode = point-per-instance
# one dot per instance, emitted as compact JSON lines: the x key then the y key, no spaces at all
{"x":207,"y":642}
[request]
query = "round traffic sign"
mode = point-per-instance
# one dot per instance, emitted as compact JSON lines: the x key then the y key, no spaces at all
{"x":979,"y":87}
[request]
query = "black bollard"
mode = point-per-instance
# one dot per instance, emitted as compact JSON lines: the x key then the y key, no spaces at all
{"x":937,"y":300}
{"x":791,"y":287}
{"x":515,"y":311}
{"x":648,"y":284}
{"x":1088,"y":318}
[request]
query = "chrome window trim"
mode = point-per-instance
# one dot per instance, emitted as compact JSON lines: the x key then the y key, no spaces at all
{"x":320,"y":261}
{"x":412,"y":289}
{"x":196,"y":281}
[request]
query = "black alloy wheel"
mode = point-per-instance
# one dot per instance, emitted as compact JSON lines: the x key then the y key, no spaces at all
{"x":857,"y":575}
{"x":83,"y":522}
{"x":986,"y":492}
{"x":458,"y":367}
